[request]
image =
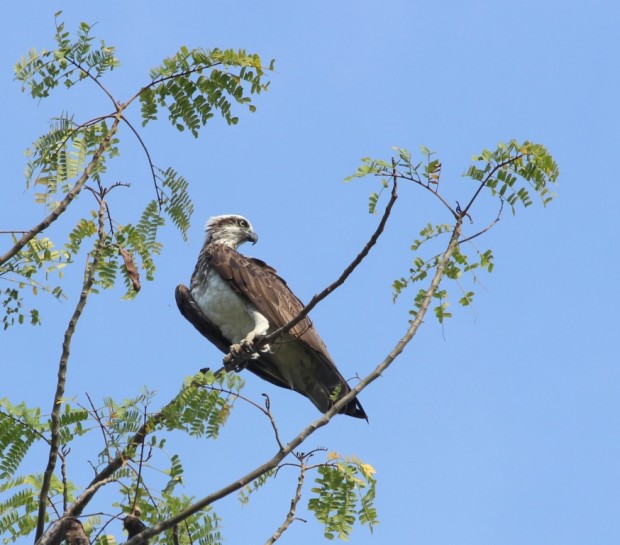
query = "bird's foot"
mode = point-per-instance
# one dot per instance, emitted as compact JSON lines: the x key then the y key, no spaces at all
{"x":253,"y":342}
{"x":236,"y":359}
{"x":240,"y":353}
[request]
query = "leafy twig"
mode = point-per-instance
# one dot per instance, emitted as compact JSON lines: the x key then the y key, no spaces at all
{"x":66,"y":201}
{"x":490,"y":175}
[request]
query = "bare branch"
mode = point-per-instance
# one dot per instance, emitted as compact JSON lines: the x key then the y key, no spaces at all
{"x":488,"y":227}
{"x":345,"y":274}
{"x":89,"y":279}
{"x":290,"y":516}
{"x":64,"y":452}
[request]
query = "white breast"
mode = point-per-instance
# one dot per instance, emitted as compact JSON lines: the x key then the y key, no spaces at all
{"x":224,"y":307}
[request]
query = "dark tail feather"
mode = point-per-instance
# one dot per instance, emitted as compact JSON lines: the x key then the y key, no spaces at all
{"x":354,"y":408}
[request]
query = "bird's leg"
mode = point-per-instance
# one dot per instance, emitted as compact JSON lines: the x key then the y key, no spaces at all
{"x":249,"y":347}
{"x":251,"y":343}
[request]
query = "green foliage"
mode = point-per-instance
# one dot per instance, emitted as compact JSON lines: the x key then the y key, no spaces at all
{"x":39,"y":255}
{"x":202,"y":528}
{"x":345,"y":493}
{"x":176,"y":202}
{"x":256,"y":484}
{"x":105,"y":540}
{"x":191,"y":97}
{"x":71,"y":423}
{"x":19,"y":503}
{"x":504,"y":170}
{"x":59,"y":157}
{"x":72,"y":61}
{"x":204,"y":404}
{"x":508,"y":174}
{"x":20,"y":428}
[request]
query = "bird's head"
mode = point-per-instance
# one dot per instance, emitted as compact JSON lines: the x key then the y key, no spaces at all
{"x":230,"y":229}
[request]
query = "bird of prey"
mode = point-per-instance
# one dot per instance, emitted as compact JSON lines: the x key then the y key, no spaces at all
{"x":235,"y":300}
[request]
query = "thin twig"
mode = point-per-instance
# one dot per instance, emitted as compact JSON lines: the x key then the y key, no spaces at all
{"x":89,"y":279}
{"x":266,"y":410}
{"x":102,"y":427}
{"x":422,"y":184}
{"x":290,"y":516}
{"x":488,"y":227}
{"x":272,"y":421}
{"x":93,"y":78}
{"x":484,"y":182}
{"x":148,"y":158}
{"x":345,"y":274}
{"x":140,"y":464}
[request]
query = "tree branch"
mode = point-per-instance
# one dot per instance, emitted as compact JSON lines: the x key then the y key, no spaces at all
{"x":148,"y":158}
{"x":89,"y":279}
{"x":484,"y":182}
{"x":345,"y":274}
{"x":290,"y":517}
{"x":66,"y":201}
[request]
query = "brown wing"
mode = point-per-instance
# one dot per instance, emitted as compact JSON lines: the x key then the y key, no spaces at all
{"x":300,"y":360}
{"x":259,"y":283}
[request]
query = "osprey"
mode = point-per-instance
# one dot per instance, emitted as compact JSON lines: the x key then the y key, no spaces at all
{"x":234,"y":300}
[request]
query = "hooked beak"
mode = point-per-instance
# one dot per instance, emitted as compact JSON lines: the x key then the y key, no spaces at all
{"x":251,"y":237}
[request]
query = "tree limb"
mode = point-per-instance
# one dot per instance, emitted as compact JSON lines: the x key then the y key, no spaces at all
{"x":345,"y":274}
{"x":290,"y":517}
{"x":66,"y":201}
{"x":89,"y":279}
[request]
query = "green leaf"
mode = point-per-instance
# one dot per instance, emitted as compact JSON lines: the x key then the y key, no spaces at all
{"x":345,"y":493}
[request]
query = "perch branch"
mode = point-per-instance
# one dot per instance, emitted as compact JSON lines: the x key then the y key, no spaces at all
{"x":345,"y":274}
{"x":271,"y":464}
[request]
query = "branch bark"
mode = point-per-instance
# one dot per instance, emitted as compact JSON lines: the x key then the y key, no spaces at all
{"x":89,"y":279}
{"x":345,"y":274}
{"x":290,"y":516}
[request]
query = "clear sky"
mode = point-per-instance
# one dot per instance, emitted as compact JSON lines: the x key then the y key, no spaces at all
{"x":500,"y":429}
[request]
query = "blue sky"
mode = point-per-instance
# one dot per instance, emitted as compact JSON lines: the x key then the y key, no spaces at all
{"x":500,"y":428}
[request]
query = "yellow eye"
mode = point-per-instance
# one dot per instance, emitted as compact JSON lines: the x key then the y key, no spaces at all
{"x":243,"y":223}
